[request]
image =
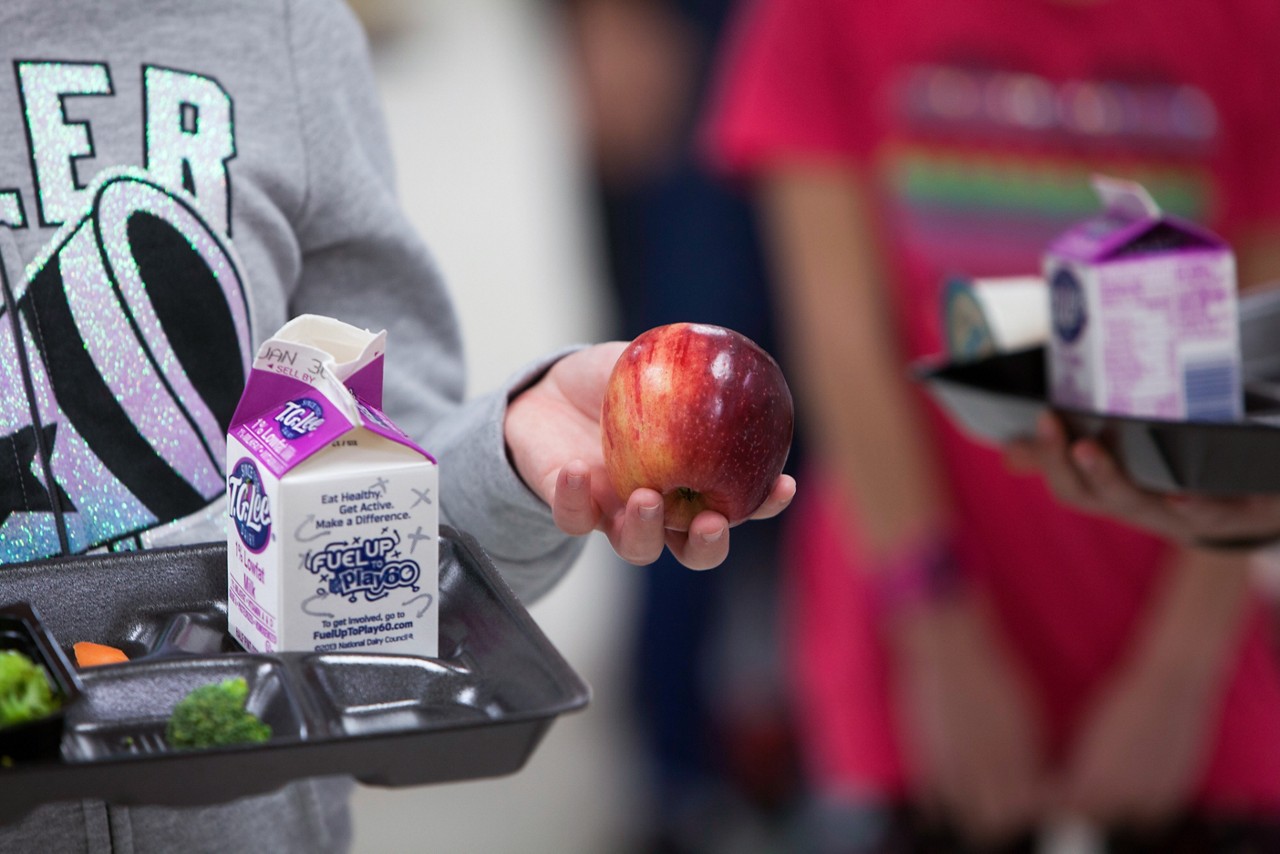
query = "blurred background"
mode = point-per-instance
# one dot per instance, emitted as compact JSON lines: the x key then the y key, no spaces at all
{"x":549,"y":151}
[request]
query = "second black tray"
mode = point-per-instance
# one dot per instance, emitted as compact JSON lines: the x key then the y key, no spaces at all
{"x":998,"y":398}
{"x":477,"y":710}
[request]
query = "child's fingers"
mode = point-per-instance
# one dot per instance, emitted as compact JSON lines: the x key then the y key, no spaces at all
{"x":1084,"y":475}
{"x":784,"y":490}
{"x":705,"y":546}
{"x":1103,"y":478}
{"x":1055,"y":462}
{"x":573,"y":509}
{"x":1020,"y":456}
{"x":641,"y":536}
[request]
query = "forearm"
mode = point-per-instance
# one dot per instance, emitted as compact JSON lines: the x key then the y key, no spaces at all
{"x":1195,"y":620}
{"x":1140,"y":750}
{"x":840,"y":338}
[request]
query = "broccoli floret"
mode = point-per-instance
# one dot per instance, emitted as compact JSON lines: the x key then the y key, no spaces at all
{"x":25,"y":693}
{"x":214,"y":714}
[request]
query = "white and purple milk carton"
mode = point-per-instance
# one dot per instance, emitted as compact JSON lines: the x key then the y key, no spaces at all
{"x":333,"y":510}
{"x":1144,"y":314}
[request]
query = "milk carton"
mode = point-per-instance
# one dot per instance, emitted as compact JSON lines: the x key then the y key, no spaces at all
{"x":1144,"y":316}
{"x":333,"y":511}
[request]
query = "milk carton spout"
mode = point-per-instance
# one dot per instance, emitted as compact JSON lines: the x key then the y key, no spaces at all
{"x":349,"y":349}
{"x":1125,"y":199}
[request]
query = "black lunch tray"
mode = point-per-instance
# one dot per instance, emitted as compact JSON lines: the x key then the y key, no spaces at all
{"x":477,"y":710}
{"x":998,"y":398}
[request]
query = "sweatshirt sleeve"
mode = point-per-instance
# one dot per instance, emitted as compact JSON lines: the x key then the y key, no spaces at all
{"x":364,"y":263}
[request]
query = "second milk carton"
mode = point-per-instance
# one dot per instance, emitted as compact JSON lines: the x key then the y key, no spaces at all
{"x":333,"y":510}
{"x":1144,"y":316}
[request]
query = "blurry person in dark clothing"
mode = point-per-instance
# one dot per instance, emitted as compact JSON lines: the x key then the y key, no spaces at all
{"x":682,"y":247}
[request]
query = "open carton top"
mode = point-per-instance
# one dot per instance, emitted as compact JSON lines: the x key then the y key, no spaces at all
{"x":317,"y":380}
{"x":1131,"y":225}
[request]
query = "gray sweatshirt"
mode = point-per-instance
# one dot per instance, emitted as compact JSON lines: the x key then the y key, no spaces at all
{"x":179,"y":178}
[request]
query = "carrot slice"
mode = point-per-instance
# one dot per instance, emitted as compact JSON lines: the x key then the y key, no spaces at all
{"x":89,"y":654}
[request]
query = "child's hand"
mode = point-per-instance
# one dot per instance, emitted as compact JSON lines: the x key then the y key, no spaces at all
{"x":972,"y":735}
{"x":1083,"y":475}
{"x":553,"y":436}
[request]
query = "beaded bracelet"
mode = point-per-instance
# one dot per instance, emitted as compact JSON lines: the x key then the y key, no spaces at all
{"x":921,"y":574}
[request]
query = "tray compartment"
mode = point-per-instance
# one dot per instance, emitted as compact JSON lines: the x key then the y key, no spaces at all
{"x":125,"y":710}
{"x":195,"y":633}
{"x":202,"y":631}
{"x":22,"y":630}
{"x":374,"y":694}
{"x":478,"y":710}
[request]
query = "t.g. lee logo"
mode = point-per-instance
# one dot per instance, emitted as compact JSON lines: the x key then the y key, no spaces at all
{"x":300,"y":417}
{"x":369,"y":567}
{"x":1067,"y":305}
{"x":247,"y":505}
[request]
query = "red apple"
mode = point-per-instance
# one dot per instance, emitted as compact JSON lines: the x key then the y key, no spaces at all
{"x":701,"y":414}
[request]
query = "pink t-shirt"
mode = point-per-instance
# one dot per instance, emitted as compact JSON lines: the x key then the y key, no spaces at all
{"x":978,"y":125}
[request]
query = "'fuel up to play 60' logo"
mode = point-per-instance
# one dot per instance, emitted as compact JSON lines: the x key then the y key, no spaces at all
{"x":247,"y":505}
{"x":368,"y":566}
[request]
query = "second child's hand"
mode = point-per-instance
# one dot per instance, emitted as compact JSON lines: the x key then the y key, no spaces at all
{"x":1084,"y":476}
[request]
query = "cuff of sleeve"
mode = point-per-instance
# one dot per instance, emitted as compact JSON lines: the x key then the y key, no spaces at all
{"x":483,"y":495}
